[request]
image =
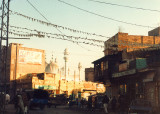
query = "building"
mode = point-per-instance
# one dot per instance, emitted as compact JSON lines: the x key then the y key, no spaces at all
{"x":20,"y":62}
{"x":131,"y":67}
{"x":154,"y":32}
{"x":89,"y":74}
{"x":52,"y":83}
{"x":52,"y":67}
{"x":27,"y":69}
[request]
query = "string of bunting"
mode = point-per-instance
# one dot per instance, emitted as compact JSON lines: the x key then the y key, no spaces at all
{"x":42,"y":36}
{"x":45,"y":33}
{"x":109,"y":44}
{"x":54,"y":25}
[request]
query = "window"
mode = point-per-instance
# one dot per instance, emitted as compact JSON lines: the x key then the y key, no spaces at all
{"x":123,"y":89}
{"x":102,"y":66}
{"x":105,"y":65}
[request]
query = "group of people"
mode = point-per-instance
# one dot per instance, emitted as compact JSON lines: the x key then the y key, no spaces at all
{"x":21,"y":103}
{"x":115,"y":105}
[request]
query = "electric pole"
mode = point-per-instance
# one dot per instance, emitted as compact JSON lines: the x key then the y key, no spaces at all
{"x":4,"y":37}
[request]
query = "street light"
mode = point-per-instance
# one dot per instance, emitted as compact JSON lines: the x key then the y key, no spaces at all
{"x":66,"y":60}
{"x":79,"y":68}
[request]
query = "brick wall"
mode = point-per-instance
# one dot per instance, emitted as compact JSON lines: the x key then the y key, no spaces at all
{"x":18,"y":68}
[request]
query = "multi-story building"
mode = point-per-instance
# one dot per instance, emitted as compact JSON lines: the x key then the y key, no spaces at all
{"x":131,"y":67}
{"x":22,"y":61}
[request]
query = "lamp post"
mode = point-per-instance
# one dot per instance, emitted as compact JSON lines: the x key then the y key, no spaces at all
{"x":79,"y":68}
{"x":66,"y":60}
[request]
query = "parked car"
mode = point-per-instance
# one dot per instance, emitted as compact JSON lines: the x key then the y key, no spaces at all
{"x":39,"y":99}
{"x":96,"y":100}
{"x":59,"y":99}
{"x":140,"y":106}
{"x":99,"y":103}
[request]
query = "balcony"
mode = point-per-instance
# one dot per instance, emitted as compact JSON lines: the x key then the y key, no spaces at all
{"x":129,"y":67}
{"x":124,"y":73}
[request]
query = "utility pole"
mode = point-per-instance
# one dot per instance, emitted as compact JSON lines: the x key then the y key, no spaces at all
{"x":4,"y":36}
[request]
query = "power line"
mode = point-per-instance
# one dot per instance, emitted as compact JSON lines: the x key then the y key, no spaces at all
{"x":48,"y":20}
{"x":57,"y":26}
{"x":46,"y":33}
{"x":138,"y":8}
{"x":42,"y":14}
{"x":42,"y":36}
{"x":105,"y":16}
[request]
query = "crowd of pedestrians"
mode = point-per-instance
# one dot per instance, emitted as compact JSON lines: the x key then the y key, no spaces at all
{"x":115,"y":105}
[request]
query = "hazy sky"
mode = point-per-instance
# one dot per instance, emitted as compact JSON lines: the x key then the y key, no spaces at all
{"x":61,"y":14}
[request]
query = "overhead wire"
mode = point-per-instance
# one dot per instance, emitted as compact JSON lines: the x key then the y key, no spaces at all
{"x":42,"y":36}
{"x":41,"y":32}
{"x":49,"y":21}
{"x":138,"y":8}
{"x":109,"y":18}
{"x":54,"y":25}
{"x":42,"y":14}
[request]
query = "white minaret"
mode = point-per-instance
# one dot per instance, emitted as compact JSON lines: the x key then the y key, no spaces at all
{"x":79,"y":68}
{"x":66,"y":60}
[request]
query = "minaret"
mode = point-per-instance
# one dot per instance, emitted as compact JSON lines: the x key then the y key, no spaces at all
{"x":66,"y":60}
{"x":79,"y":68}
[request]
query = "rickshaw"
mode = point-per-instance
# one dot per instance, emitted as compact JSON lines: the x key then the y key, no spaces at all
{"x":39,"y":99}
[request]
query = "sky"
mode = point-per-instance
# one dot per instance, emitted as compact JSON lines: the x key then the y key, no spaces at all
{"x":61,"y":14}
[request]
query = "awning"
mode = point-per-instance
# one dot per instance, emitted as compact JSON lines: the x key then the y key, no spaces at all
{"x":149,"y":77}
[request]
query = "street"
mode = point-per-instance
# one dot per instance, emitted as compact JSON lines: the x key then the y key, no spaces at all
{"x":64,"y":110}
{"x":59,"y":110}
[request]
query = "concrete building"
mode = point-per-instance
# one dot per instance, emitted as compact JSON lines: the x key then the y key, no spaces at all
{"x":89,"y":74}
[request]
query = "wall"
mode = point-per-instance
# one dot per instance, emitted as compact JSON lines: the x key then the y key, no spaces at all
{"x":19,"y":67}
{"x":150,"y":92}
{"x":89,"y":74}
{"x":129,"y":42}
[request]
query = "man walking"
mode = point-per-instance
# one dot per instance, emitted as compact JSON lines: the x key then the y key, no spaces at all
{"x":105,"y":103}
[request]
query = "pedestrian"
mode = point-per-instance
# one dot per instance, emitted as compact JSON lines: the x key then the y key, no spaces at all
{"x":7,"y":98}
{"x":113,"y":103}
{"x":82,"y":103}
{"x":121,"y":101}
{"x":25,"y":102}
{"x":79,"y":102}
{"x":90,"y":102}
{"x":105,"y":103}
{"x":20,"y":105}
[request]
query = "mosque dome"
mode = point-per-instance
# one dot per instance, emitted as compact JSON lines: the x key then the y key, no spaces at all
{"x":52,"y":67}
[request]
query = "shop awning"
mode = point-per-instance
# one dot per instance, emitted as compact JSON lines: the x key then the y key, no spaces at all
{"x":149,"y":77}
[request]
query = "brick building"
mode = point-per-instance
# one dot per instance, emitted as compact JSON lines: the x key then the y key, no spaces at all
{"x":131,"y":67}
{"x":22,"y":61}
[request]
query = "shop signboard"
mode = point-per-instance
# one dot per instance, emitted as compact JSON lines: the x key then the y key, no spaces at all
{"x":29,"y":57}
{"x":124,"y":73}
